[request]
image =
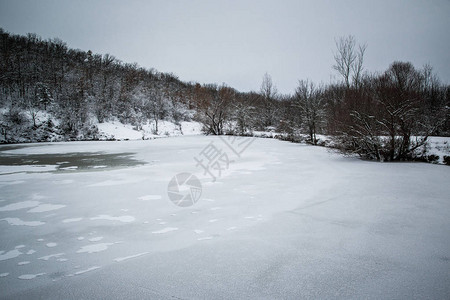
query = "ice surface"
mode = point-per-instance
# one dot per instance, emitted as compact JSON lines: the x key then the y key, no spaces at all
{"x":284,"y":221}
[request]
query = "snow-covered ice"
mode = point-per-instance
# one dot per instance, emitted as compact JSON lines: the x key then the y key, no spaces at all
{"x":19,"y":222}
{"x":19,"y":205}
{"x":284,"y":221}
{"x":94,"y":248}
{"x":30,"y":276}
{"x":123,"y":219}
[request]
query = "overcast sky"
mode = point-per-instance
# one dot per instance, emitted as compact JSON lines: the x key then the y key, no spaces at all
{"x":236,"y":42}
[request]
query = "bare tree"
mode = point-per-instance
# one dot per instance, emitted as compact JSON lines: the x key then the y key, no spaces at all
{"x":308,"y":98}
{"x":214,"y":107}
{"x":357,"y":66}
{"x":349,"y":60}
{"x":387,"y":121}
{"x":268,"y":92}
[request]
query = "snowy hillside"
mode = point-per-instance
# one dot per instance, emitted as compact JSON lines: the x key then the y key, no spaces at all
{"x":118,"y":131}
{"x":47,"y":128}
{"x":278,"y":220}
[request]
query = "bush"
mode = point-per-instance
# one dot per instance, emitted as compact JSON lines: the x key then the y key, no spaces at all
{"x":433,"y":158}
{"x":447,"y":160}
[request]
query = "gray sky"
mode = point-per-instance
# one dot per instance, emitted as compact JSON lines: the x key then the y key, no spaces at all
{"x":236,"y":42}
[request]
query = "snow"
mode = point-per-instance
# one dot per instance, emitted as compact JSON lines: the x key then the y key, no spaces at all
{"x":165,"y":230}
{"x":19,"y":222}
{"x":118,"y":131}
{"x":30,"y":276}
{"x":124,"y":219}
{"x":47,"y":257}
{"x":19,"y":205}
{"x":284,"y":221}
{"x":84,"y":271}
{"x":45,"y":208}
{"x":72,"y":220}
{"x":150,"y":197}
{"x":94,"y":248}
{"x":27,"y":168}
{"x":120,"y":259}
{"x":10,"y":254}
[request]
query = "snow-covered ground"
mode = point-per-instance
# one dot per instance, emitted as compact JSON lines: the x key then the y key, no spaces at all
{"x":117,"y":130}
{"x":93,"y":220}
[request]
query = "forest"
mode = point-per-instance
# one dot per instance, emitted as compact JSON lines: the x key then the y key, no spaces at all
{"x":383,"y":116}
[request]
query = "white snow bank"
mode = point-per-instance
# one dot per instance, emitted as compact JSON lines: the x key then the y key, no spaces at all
{"x":117,"y":130}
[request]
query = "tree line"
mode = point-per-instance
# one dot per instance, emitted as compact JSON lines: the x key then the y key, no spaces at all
{"x":386,"y":116}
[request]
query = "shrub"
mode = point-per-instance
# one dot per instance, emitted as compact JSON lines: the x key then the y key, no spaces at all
{"x":447,"y":160}
{"x":433,"y":158}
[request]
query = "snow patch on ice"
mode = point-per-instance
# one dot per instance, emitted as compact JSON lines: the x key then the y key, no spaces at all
{"x":19,"y":205}
{"x":69,"y":168}
{"x":120,"y":259}
{"x":94,"y":248}
{"x":84,"y":271}
{"x":51,"y":245}
{"x":51,"y":256}
{"x":10,"y":254}
{"x":37,"y":197}
{"x":115,"y":182}
{"x":165,"y":230}
{"x":26,"y":169}
{"x":45,"y":207}
{"x":150,"y":197}
{"x":123,"y":219}
{"x":66,"y":181}
{"x":72,"y":220}
{"x":19,"y":222}
{"x":96,"y":239}
{"x":21,"y":263}
{"x":30,"y":276}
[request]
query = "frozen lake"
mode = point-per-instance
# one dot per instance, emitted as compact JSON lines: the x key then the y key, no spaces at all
{"x":93,"y":220}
